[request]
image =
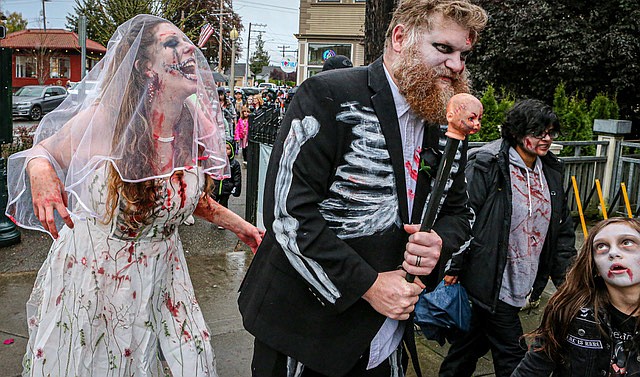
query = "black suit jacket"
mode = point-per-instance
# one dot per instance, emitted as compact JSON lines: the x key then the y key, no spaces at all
{"x":335,"y":201}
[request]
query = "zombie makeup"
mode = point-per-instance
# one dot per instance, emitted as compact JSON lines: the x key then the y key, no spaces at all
{"x":186,"y":68}
{"x":419,"y":84}
{"x":180,"y":50}
{"x":536,"y":146}
{"x":616,"y":253}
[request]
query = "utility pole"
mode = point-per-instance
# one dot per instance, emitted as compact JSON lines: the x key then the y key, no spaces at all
{"x":220,"y":39}
{"x":286,"y":49}
{"x":82,"y":36}
{"x":246,"y":68}
{"x":44,"y":16}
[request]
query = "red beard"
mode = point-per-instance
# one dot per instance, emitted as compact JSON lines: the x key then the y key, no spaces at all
{"x":417,"y":82}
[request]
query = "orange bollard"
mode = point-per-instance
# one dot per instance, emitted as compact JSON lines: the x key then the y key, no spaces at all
{"x":602,"y":203}
{"x":577,"y":194}
{"x":625,"y":196}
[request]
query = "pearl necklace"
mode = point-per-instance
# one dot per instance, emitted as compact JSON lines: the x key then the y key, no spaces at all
{"x":164,"y":139}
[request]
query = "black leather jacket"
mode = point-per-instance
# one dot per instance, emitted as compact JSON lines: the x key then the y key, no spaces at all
{"x":587,"y":352}
{"x":482,"y":264}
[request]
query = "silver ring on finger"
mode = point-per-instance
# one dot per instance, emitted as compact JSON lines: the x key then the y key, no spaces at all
{"x":418,"y":259}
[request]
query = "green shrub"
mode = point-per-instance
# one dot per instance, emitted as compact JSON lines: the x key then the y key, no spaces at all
{"x":493,"y":115}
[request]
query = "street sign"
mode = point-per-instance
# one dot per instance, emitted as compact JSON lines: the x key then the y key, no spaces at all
{"x":288,"y":64}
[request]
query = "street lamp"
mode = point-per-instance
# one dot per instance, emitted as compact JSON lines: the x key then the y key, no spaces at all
{"x":233,"y":35}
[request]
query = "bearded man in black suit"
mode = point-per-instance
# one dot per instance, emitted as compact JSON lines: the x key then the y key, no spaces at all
{"x":350,"y":171}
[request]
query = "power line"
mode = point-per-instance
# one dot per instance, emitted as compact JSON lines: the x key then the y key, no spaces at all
{"x":266,"y":6}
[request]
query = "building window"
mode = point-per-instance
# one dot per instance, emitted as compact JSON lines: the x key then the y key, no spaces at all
{"x":26,"y":66}
{"x":313,"y":71}
{"x":59,"y":68}
{"x":319,"y":52}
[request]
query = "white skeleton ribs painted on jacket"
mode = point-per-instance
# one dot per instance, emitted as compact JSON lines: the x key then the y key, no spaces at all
{"x":285,"y":226}
{"x":362,"y":200}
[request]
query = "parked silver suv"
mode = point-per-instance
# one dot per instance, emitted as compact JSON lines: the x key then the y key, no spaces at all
{"x":33,"y":101}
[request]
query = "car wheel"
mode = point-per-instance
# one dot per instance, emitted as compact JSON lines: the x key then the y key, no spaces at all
{"x":36,"y":113}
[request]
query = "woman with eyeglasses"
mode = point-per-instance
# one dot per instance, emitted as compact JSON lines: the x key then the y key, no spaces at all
{"x":590,"y":325}
{"x":522,"y":234}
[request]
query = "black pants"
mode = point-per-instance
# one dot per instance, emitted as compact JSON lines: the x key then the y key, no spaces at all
{"x":224,"y":200}
{"x":268,"y":362}
{"x":500,"y":332}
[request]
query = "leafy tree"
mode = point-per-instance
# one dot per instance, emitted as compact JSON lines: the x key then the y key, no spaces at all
{"x":104,"y":16}
{"x":260,"y":57}
{"x":281,"y":77}
{"x":15,"y":22}
{"x":530,"y":46}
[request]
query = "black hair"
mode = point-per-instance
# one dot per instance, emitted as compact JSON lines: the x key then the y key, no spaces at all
{"x":527,"y":117}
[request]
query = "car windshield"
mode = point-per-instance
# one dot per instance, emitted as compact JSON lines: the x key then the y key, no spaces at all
{"x":29,"y":91}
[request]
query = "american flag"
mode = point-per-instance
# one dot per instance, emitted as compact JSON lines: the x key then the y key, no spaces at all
{"x":205,"y":34}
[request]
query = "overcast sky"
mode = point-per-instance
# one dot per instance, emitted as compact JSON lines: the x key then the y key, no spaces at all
{"x":280,"y":18}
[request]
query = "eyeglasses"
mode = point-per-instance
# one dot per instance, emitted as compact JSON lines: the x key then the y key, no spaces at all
{"x":541,"y":135}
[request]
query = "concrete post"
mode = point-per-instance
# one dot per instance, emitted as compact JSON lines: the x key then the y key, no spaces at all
{"x":613,"y":131}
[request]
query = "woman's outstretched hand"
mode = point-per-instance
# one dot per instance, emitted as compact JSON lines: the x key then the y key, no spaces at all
{"x":48,"y":194}
{"x":214,"y":212}
{"x":251,"y":235}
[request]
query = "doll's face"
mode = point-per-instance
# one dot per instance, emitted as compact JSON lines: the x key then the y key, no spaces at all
{"x":616,"y":253}
{"x":466,"y":116}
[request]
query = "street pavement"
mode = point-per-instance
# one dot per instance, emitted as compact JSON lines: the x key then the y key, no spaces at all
{"x":217,"y":264}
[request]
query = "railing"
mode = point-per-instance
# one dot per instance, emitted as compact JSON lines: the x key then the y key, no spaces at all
{"x":586,"y":169}
{"x":627,"y":172}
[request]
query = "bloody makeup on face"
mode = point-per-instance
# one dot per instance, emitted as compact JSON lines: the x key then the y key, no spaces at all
{"x":175,"y":57}
{"x":616,"y":255}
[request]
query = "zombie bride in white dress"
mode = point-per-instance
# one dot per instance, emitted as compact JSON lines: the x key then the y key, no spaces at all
{"x":115,"y":173}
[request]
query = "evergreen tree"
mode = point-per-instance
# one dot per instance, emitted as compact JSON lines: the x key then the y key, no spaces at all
{"x":260,"y":57}
{"x":493,"y":114}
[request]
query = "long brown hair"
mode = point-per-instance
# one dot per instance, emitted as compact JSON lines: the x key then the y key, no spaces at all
{"x":139,"y":153}
{"x":583,"y":287}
